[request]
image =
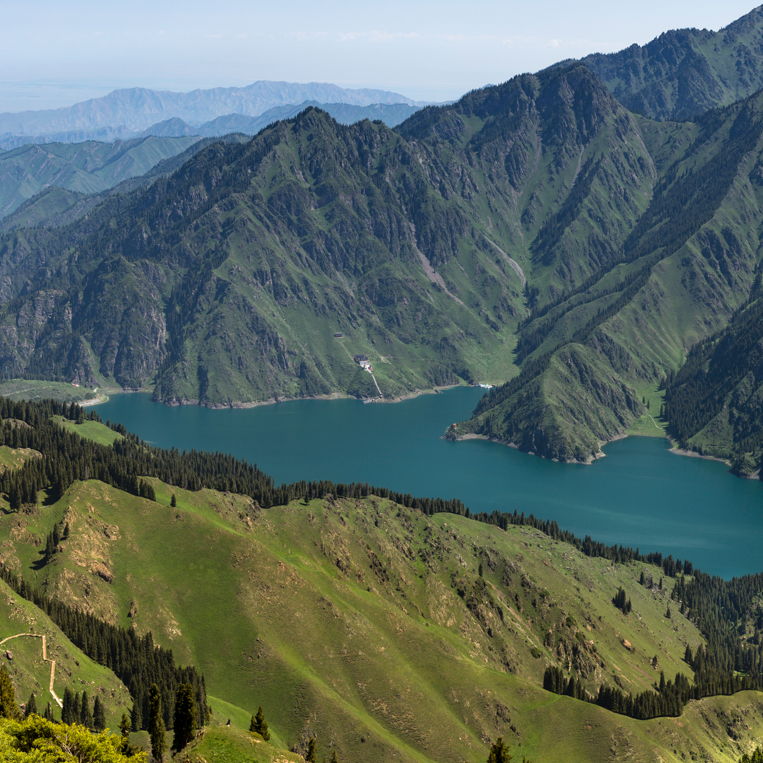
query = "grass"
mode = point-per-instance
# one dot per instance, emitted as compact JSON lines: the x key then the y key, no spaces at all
{"x":73,"y":668}
{"x":30,"y":389}
{"x":15,"y":458}
{"x":90,"y":430}
{"x":231,"y":745}
{"x":650,"y":424}
{"x":344,"y":620}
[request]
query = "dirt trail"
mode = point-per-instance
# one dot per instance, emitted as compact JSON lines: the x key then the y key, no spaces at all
{"x":44,"y":659}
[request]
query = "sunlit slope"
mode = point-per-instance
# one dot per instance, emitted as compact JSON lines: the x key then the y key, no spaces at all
{"x":363,"y":620}
{"x":22,"y":657}
{"x":689,"y":264}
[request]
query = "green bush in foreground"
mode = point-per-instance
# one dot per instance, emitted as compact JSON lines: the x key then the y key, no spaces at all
{"x":36,"y":740}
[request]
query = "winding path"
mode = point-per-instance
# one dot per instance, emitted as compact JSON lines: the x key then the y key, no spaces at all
{"x":44,"y":659}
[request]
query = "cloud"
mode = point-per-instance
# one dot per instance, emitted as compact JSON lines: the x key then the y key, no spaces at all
{"x":215,"y":36}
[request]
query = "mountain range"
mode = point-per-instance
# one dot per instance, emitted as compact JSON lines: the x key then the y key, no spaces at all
{"x":684,"y":73}
{"x":137,"y":109}
{"x":535,"y":231}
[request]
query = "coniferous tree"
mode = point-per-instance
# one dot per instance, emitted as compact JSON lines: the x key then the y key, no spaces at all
{"x":76,"y":709}
{"x":31,"y":707}
{"x":48,"y":714}
{"x":260,"y":725}
{"x":85,"y":714}
{"x":334,"y":758}
{"x":312,"y":751}
{"x":8,"y":706}
{"x":156,"y":727}
{"x":99,"y":715}
{"x":499,"y":752}
{"x":67,"y":714}
{"x":185,"y":717}
{"x":173,"y":501}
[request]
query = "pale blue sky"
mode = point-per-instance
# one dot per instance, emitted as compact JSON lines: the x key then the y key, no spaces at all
{"x":53,"y":53}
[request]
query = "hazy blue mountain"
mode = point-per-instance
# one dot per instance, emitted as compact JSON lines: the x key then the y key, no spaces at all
{"x":138,"y":108}
{"x":391,"y":114}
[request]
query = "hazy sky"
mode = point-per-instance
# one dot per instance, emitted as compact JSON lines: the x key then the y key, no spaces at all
{"x":53,"y":53}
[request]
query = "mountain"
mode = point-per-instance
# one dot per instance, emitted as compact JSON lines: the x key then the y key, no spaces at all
{"x":684,"y":73}
{"x":82,"y":168}
{"x":535,"y":226}
{"x":713,"y":403}
{"x":344,"y":113}
{"x":398,"y":240}
{"x":138,"y":108}
{"x":55,"y":207}
{"x":381,"y":625}
{"x":590,"y":353}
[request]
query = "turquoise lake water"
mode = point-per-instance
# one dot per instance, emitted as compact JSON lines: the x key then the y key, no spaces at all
{"x":640,"y":495}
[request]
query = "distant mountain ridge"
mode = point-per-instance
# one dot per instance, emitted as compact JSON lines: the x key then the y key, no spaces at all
{"x":684,"y":73}
{"x":83,"y":168}
{"x":138,"y":108}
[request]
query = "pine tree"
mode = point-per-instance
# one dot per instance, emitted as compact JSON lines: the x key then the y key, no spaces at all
{"x":173,"y":501}
{"x":334,"y":758}
{"x":85,"y":716}
{"x":67,"y":716}
{"x":312,"y":751}
{"x":156,"y":728}
{"x":185,"y":716}
{"x":99,"y":715}
{"x":8,"y":706}
{"x":259,"y":725}
{"x":76,"y":710}
{"x":499,"y":752}
{"x":48,"y":714}
{"x":31,"y":707}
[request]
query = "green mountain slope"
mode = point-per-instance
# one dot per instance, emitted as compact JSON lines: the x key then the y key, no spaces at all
{"x":535,"y":224}
{"x":684,"y":73}
{"x":79,"y":167}
{"x":22,"y":658}
{"x":413,"y":245}
{"x":368,"y":625}
{"x":378,"y":628}
{"x":713,"y":403}
{"x":682,"y":272}
{"x":56,"y":207}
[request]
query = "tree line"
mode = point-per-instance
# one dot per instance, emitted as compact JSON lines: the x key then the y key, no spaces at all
{"x":136,"y":660}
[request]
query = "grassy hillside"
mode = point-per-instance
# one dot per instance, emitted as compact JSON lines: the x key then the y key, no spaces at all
{"x":369,"y":626}
{"x":30,"y":389}
{"x":22,"y":658}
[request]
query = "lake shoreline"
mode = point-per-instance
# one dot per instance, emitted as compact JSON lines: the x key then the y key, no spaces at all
{"x":177,"y":402}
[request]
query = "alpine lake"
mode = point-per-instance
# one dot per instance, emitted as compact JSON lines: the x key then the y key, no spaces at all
{"x":640,"y":495}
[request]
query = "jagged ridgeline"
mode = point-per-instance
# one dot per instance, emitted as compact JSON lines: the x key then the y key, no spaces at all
{"x":685,"y":72}
{"x":682,"y":272}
